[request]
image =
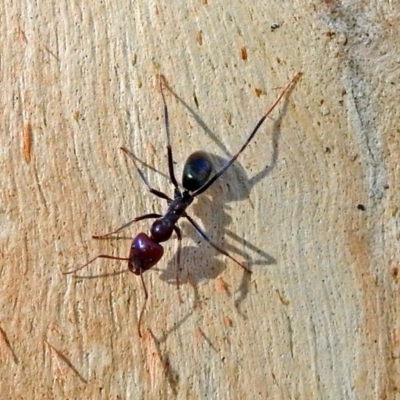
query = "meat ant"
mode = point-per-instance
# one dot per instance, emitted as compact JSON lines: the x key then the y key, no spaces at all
{"x":146,"y":251}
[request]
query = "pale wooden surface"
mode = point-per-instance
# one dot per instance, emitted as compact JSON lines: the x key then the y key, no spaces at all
{"x":319,"y":318}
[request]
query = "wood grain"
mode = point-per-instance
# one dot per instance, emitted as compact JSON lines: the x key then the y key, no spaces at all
{"x":312,"y":205}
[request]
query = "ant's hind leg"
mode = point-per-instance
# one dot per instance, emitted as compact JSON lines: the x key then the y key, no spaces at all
{"x":94,"y":259}
{"x":208,"y":240}
{"x":127,"y":224}
{"x":178,"y":257}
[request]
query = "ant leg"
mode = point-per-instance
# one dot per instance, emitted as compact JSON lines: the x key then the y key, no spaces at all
{"x":169,"y":148}
{"x":260,"y":122}
{"x":140,"y":172}
{"x":208,"y":240}
{"x":94,"y":259}
{"x":128,"y":224}
{"x":178,"y":256}
{"x":146,"y":296}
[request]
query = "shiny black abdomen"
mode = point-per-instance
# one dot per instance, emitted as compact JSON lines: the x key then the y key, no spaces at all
{"x":197,"y":171}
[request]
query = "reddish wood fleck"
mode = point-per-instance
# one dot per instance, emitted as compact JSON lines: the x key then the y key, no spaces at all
{"x":63,"y":364}
{"x":227,"y":322}
{"x":200,"y":38}
{"x":22,"y":35}
{"x":282,"y":300}
{"x":228,"y":116}
{"x":27,"y":141}
{"x":7,"y":344}
{"x":199,"y":336}
{"x":222,"y":286}
{"x":332,"y":2}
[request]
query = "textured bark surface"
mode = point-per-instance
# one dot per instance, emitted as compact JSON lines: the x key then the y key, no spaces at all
{"x":312,"y":205}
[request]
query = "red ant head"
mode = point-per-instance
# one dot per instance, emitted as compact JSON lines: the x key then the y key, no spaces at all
{"x":144,"y":254}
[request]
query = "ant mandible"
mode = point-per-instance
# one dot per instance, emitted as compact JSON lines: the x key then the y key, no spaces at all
{"x":146,"y":251}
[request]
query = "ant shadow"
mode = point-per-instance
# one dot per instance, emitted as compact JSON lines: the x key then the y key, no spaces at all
{"x":201,"y":264}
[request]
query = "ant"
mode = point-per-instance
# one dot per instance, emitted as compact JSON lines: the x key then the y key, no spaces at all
{"x":146,"y":250}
